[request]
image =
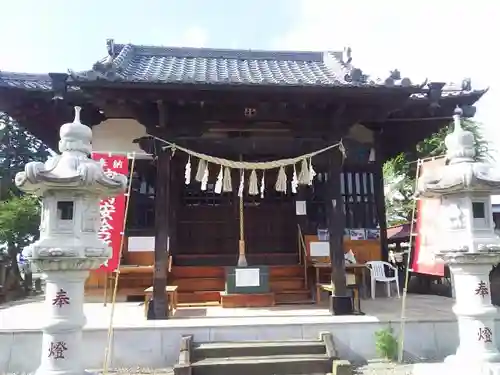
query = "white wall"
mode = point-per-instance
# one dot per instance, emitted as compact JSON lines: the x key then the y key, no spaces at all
{"x":117,"y":136}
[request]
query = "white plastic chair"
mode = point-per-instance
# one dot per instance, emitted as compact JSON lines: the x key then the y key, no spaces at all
{"x":377,"y":273}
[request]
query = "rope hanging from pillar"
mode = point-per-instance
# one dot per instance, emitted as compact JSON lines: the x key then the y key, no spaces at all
{"x":224,"y":183}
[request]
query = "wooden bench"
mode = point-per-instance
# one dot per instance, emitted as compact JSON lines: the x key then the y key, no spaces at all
{"x":170,"y":291}
{"x":355,"y":291}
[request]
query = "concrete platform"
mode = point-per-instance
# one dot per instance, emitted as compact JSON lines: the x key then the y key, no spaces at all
{"x":431,"y":331}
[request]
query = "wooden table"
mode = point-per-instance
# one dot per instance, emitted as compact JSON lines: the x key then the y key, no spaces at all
{"x":170,"y":291}
{"x":357,"y":267}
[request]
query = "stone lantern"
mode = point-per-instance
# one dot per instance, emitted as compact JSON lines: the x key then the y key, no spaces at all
{"x":70,"y":187}
{"x":470,"y":247}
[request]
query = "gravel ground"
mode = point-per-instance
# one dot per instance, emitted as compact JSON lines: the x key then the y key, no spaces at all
{"x":384,"y":369}
{"x":371,"y":369}
{"x":142,"y":371}
{"x":122,"y":371}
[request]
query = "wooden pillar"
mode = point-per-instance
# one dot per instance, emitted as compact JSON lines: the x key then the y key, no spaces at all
{"x":340,"y":302}
{"x":378,"y":182}
{"x":162,"y":219}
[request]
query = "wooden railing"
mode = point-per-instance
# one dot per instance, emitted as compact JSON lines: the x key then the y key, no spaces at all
{"x":302,"y":253}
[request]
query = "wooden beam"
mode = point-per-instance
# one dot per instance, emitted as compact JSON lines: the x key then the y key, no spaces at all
{"x":403,"y":137}
{"x":202,"y":117}
{"x":162,"y":221}
{"x":285,"y":147}
{"x":192,"y":92}
{"x":243,"y":112}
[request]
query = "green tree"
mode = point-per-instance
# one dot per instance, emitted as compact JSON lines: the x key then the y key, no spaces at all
{"x":17,"y":147}
{"x":400,"y":171}
{"x":19,"y":221}
{"x":19,"y":213}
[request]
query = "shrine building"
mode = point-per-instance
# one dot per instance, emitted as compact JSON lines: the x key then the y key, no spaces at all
{"x":168,"y":108}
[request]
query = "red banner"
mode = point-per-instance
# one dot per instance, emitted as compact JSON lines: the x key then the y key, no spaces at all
{"x":427,"y":230}
{"x":112,"y":209}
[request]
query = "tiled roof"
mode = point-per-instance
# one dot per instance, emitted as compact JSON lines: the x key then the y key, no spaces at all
{"x":148,"y":64}
{"x":453,"y":90}
{"x":35,"y":82}
{"x":43,"y":82}
{"x":135,"y":63}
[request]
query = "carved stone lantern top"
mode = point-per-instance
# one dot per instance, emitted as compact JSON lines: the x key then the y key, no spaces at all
{"x":462,"y":172}
{"x":72,"y":169}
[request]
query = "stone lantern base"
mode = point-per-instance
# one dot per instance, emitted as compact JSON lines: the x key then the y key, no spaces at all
{"x":477,"y":353}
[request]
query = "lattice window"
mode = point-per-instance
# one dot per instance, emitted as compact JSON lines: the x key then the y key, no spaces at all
{"x":141,"y":210}
{"x":358,"y":193}
{"x":271,"y":196}
{"x":192,"y":196}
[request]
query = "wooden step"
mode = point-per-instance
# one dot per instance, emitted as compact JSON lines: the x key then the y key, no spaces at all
{"x":199,"y":304}
{"x":256,"y":259}
{"x":289,"y":283}
{"x":247,"y":300}
{"x":293,"y":297}
{"x":199,"y":297}
{"x":199,"y":283}
{"x":197,"y":272}
{"x":275,"y":271}
{"x":286,"y":271}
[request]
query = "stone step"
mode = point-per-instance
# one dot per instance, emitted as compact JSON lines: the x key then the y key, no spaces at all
{"x":256,"y":348}
{"x":264,"y":365}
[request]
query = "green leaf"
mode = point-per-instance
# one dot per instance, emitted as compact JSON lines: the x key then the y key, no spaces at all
{"x":400,"y":171}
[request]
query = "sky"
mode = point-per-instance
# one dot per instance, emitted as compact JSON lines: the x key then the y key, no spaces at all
{"x":441,"y":40}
